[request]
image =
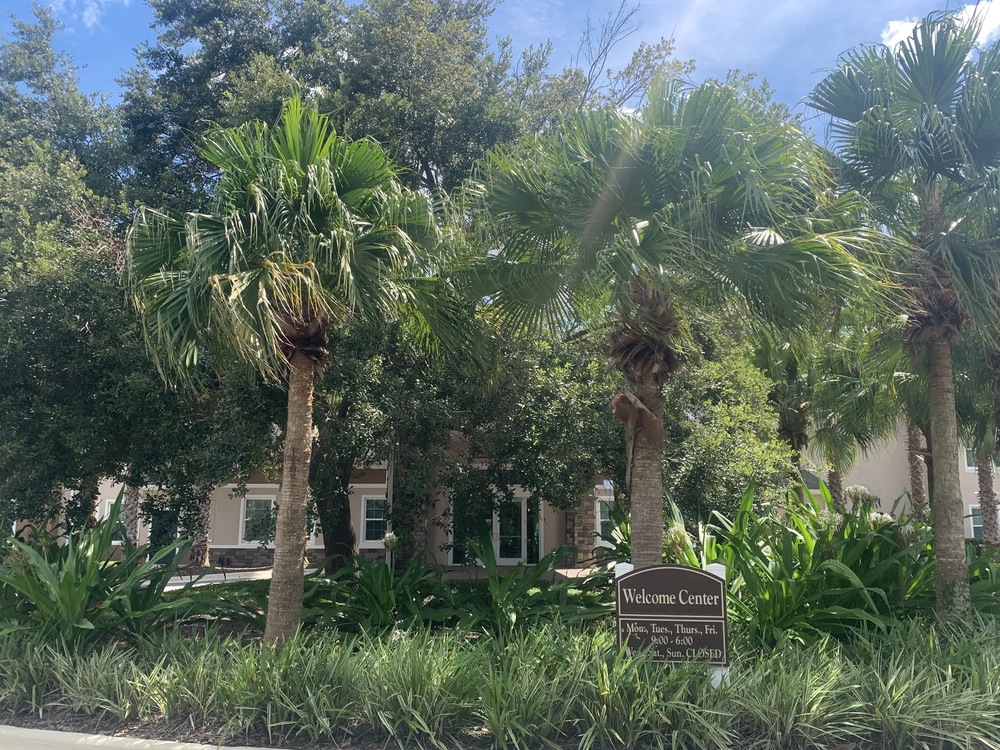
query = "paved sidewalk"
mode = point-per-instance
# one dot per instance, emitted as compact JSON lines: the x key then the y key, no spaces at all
{"x":465,"y":572}
{"x":16,"y":738}
{"x":251,"y":575}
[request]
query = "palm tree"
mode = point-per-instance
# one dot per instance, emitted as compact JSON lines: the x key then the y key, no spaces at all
{"x":706,"y":198}
{"x":308,"y":231}
{"x":827,"y":396}
{"x":918,"y":129}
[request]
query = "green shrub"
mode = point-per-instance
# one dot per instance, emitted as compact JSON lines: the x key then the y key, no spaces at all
{"x":525,"y":596}
{"x":814,"y":572}
{"x":77,"y":594}
{"x":368,"y":596}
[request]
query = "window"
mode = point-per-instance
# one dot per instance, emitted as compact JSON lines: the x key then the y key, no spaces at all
{"x":971,"y":464}
{"x":604,"y":525}
{"x":977,"y":522}
{"x":976,"y":515}
{"x":256,"y":518}
{"x":119,"y":534}
{"x":374,"y":521}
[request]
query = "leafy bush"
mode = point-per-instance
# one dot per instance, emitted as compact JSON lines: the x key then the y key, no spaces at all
{"x":678,"y":546}
{"x":526,"y":596}
{"x":367,"y":596}
{"x":812,"y":572}
{"x":76,"y":594}
{"x":816,"y":572}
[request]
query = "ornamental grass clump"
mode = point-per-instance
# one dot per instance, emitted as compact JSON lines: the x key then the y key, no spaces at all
{"x":532,"y":685}
{"x":419,"y":687}
{"x":628,"y":701}
{"x":919,"y":685}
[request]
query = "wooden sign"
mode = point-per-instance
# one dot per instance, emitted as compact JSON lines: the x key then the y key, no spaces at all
{"x":677,"y":613}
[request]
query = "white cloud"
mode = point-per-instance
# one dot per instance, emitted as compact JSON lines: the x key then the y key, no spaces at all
{"x":987,"y":11}
{"x":88,"y":12}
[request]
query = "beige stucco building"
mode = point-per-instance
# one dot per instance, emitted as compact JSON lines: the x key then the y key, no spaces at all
{"x":520,"y":533}
{"x":885,"y":471}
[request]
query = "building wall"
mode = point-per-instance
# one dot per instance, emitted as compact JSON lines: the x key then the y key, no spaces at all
{"x":226,"y":518}
{"x":885,"y":471}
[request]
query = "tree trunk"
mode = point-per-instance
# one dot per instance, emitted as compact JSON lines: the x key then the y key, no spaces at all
{"x":987,"y":498}
{"x":339,"y":539}
{"x":199,"y":547}
{"x":330,"y":483}
{"x":918,"y":496}
{"x":835,"y":484}
{"x":285,"y":595}
{"x":646,"y":488}
{"x":948,"y":511}
{"x":81,"y":508}
{"x":130,"y":513}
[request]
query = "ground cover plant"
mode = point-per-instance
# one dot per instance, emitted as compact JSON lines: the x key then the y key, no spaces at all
{"x":920,"y":686}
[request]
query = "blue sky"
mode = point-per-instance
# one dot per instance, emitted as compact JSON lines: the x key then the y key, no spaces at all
{"x":790,"y":42}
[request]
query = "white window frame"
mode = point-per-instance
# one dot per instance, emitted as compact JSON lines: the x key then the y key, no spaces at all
{"x":108,"y":505}
{"x":363,"y":541}
{"x":521,"y":498}
{"x":599,"y":501}
{"x":970,"y":462}
{"x":520,"y":501}
{"x":973,"y":511}
{"x":243,"y":520}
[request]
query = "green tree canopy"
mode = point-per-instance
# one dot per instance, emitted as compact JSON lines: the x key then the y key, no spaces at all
{"x":705,"y":198}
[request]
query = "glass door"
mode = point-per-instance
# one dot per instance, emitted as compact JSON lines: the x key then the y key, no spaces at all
{"x":509,"y":532}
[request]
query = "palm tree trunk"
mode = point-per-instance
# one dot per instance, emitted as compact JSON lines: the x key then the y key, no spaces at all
{"x":948,"y":512}
{"x":987,"y":498}
{"x":918,"y":495}
{"x":285,"y":594}
{"x":130,"y":513}
{"x":646,"y":489}
{"x":835,"y":483}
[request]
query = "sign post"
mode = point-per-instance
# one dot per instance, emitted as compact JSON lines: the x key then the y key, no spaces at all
{"x":677,"y":613}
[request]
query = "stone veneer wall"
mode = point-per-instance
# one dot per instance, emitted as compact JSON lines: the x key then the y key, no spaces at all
{"x":257,"y":557}
{"x":580,"y":531}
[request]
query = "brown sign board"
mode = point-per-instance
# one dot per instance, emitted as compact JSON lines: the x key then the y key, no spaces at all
{"x":676,"y":613}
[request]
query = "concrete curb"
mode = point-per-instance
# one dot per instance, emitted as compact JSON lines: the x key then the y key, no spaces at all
{"x":17,"y":738}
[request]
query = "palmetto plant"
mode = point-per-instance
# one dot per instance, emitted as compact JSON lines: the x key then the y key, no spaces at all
{"x":918,"y":130}
{"x":707,"y":198}
{"x":307,"y":232}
